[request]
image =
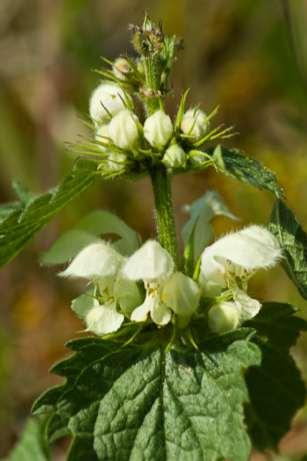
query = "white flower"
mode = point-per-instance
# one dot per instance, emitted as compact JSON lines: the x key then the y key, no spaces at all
{"x":103,"y":319}
{"x":237,"y":255}
{"x":174,"y":157}
{"x":194,"y":124}
{"x":158,"y":129}
{"x":228,"y":263}
{"x":106,"y":101}
{"x":166,"y":291}
{"x":101,"y":264}
{"x":123,"y":129}
{"x":121,"y":68}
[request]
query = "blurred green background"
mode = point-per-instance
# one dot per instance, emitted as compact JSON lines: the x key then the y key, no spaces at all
{"x":248,"y":56}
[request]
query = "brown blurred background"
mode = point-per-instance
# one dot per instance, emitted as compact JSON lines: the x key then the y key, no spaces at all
{"x":250,"y":57}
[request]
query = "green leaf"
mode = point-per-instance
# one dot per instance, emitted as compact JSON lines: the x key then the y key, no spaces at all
{"x":22,"y":224}
{"x":87,"y":231}
{"x":32,"y":445}
{"x":82,"y":428}
{"x":293,"y":241}
{"x":67,"y":246}
{"x":233,"y":163}
{"x":83,"y":304}
{"x":177,"y":406}
{"x":276,"y":388}
{"x":138,"y":403}
{"x":8,"y":208}
{"x":90,"y":374}
{"x":198,"y":231}
{"x":277,"y":323}
{"x":103,"y":222}
{"x":128,"y":294}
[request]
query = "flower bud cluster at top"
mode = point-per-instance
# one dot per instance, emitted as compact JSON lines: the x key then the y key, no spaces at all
{"x":130,"y":141}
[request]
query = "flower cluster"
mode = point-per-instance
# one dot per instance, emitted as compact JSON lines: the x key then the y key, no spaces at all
{"x":146,"y":286}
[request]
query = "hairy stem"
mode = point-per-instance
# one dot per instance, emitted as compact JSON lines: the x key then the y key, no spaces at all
{"x":153,"y":102}
{"x":164,"y":213}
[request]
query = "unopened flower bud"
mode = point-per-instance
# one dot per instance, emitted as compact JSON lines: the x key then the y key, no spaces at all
{"x":123,"y":129}
{"x":194,"y":124}
{"x":223,"y":317}
{"x":116,"y":162}
{"x":174,"y":157}
{"x":121,"y":68}
{"x":103,"y":136}
{"x":197,"y":157}
{"x":106,"y":101}
{"x":148,"y":25}
{"x":158,"y":129}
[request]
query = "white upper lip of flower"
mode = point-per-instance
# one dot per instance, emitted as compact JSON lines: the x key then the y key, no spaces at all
{"x":150,"y":263}
{"x":247,"y":250}
{"x":95,"y":261}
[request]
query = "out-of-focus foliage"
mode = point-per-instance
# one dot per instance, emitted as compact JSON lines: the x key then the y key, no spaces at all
{"x":32,"y":444}
{"x":249,"y":57}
